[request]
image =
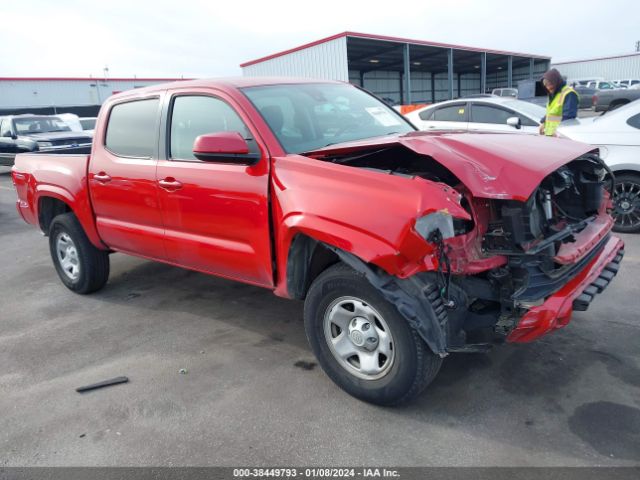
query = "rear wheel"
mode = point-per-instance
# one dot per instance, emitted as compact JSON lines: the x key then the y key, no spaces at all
{"x":361,"y":341}
{"x":80,"y":265}
{"x":626,"y":203}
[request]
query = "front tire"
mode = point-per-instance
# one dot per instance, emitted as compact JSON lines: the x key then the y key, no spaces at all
{"x":80,"y":265}
{"x":626,"y":203}
{"x":362,"y":342}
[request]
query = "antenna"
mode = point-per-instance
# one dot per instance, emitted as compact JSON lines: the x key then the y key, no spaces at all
{"x":638,"y":46}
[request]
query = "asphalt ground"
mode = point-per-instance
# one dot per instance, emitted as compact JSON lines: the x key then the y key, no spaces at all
{"x":252,"y":393}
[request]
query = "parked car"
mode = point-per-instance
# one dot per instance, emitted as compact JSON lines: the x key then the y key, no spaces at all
{"x":30,"y":133}
{"x":505,"y":92}
{"x":601,"y":85}
{"x":617,"y":134}
{"x":627,"y":82}
{"x":604,"y":100}
{"x":402,"y":244}
{"x":493,"y":114}
{"x":583,"y":81}
{"x":585,"y":96}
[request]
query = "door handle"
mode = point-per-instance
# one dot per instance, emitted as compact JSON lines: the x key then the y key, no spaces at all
{"x":102,"y":177}
{"x":170,"y":184}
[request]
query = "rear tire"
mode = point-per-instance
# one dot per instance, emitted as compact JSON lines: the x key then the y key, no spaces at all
{"x":80,"y":265}
{"x":626,"y":203}
{"x":402,"y":365}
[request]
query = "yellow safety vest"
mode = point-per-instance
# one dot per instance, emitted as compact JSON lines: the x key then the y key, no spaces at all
{"x":554,"y":111}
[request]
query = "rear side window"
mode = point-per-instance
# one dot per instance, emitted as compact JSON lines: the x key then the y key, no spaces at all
{"x":487,"y":114}
{"x":132,"y":128}
{"x":634,"y":121}
{"x":197,"y":115}
{"x":452,"y":113}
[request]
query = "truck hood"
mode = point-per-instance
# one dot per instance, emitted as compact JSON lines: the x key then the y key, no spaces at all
{"x":499,"y":166}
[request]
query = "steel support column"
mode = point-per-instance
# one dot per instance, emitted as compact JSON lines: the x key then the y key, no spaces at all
{"x":510,"y":71}
{"x":450,"y":72}
{"x":531,"y":68}
{"x":483,"y":72}
{"x":433,"y":87}
{"x":407,"y":76}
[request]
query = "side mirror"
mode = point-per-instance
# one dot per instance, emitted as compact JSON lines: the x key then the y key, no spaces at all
{"x":224,"y":147}
{"x":10,"y":135}
{"x":514,"y":122}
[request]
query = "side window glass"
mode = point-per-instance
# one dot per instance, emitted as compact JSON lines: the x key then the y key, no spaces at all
{"x":426,"y":114}
{"x":131,"y":131}
{"x":487,"y":114}
{"x":634,"y":121}
{"x":451,"y":113}
{"x":197,"y":115}
{"x":5,"y":127}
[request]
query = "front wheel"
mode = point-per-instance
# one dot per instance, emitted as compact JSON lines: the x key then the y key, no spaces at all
{"x":80,"y":265}
{"x":361,"y":341}
{"x":626,"y":203}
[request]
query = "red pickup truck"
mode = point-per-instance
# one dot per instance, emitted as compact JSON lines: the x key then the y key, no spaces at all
{"x":404,"y":245}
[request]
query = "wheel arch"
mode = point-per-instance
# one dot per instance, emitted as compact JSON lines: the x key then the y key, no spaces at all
{"x":48,"y":208}
{"x":50,"y":201}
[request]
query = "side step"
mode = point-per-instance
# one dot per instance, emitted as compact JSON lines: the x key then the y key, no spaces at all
{"x":582,"y":302}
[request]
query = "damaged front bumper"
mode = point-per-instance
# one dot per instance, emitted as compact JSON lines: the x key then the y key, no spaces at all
{"x":576,"y":294}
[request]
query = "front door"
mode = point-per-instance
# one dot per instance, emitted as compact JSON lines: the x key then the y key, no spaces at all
{"x":122,"y":179}
{"x":216,"y":214}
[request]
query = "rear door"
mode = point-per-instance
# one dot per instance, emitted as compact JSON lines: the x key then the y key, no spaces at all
{"x":452,"y":116}
{"x":216,"y":213}
{"x":122,"y":178}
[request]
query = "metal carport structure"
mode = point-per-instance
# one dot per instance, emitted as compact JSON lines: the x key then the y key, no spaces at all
{"x":402,"y":70}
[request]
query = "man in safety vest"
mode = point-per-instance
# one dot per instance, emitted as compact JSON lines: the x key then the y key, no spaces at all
{"x":562,"y":104}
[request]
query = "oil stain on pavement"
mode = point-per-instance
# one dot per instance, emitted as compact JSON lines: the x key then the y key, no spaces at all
{"x":612,"y":429}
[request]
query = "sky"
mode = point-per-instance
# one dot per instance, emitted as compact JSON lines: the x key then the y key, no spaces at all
{"x":200,"y":38}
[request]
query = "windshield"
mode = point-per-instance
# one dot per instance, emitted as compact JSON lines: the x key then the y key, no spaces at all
{"x":27,"y":125}
{"x":306,"y":117}
{"x":530,"y":109}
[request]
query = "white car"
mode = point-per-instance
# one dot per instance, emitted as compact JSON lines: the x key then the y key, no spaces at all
{"x":617,"y":134}
{"x":480,"y":114}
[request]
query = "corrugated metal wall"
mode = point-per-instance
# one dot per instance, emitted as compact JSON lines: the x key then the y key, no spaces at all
{"x":326,"y":60}
{"x":61,"y":93}
{"x":620,"y":68}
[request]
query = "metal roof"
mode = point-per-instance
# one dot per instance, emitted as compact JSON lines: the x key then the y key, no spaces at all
{"x":626,"y":55}
{"x":390,"y":39}
{"x":85,"y":79}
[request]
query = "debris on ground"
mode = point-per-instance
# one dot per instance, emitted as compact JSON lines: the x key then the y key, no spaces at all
{"x":106,"y":383}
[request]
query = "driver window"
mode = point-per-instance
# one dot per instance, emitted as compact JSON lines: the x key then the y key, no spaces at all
{"x":197,"y":115}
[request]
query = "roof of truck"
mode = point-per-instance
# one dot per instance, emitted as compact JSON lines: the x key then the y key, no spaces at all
{"x":225,"y":83}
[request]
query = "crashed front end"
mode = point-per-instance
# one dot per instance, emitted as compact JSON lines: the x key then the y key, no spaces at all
{"x":557,"y":249}
{"x":532,"y":244}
